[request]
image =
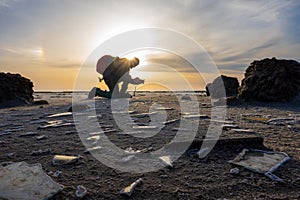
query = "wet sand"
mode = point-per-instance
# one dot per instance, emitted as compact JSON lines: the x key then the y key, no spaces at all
{"x":190,"y":177}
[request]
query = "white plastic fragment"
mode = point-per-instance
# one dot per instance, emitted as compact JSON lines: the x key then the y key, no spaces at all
{"x":64,"y":160}
{"x":166,"y":160}
{"x":130,"y":189}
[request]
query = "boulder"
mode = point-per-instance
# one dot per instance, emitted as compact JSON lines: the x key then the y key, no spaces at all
{"x":216,"y":88}
{"x":271,"y":80}
{"x":15,"y":90}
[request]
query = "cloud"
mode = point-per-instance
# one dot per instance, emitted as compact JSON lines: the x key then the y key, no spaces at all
{"x":7,"y":3}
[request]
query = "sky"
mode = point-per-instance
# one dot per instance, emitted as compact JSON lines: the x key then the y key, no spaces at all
{"x":49,"y":41}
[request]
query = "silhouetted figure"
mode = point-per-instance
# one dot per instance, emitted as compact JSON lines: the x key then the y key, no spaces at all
{"x":116,"y":70}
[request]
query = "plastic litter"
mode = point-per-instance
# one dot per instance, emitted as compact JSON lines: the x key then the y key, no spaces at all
{"x":130,"y":189}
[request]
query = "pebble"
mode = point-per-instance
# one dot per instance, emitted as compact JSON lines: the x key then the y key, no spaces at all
{"x":80,"y":192}
{"x":234,"y":171}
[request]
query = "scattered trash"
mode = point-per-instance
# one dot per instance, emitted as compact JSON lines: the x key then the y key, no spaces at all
{"x":196,"y":117}
{"x":41,"y":137}
{"x":234,"y":171}
{"x":238,"y":130}
{"x":64,"y":114}
{"x":70,"y":132}
{"x":255,"y":118}
{"x":276,"y":121}
{"x":131,"y":151}
{"x":229,"y":126}
{"x":41,"y":152}
{"x":163,"y":108}
{"x":40,"y":121}
{"x":26,"y":181}
{"x":261,"y":161}
{"x":56,"y":124}
{"x":145,"y":127}
{"x":123,"y":112}
{"x":28,"y":134}
{"x":130,"y":189}
{"x":128,"y":159}
{"x":171,"y":121}
{"x":89,"y":150}
{"x":80,"y":192}
{"x":64,"y":160}
{"x":166,"y":160}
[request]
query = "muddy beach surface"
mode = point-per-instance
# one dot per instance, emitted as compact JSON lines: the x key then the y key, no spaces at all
{"x":190,"y":177}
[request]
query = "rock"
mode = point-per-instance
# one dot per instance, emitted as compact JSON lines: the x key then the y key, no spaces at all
{"x":80,"y":192}
{"x":40,"y":102}
{"x":216,"y":88}
{"x":186,"y":98}
{"x":271,"y":80}
{"x":234,"y":171}
{"x":15,"y":90}
{"x":231,"y":101}
{"x":26,"y":181}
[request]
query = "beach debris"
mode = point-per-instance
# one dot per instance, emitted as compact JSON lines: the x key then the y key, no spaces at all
{"x":56,"y":124}
{"x":255,"y":118}
{"x":229,"y":126}
{"x":128,"y":191}
{"x":128,"y":158}
{"x":95,"y":138}
{"x":39,"y":121}
{"x":123,"y":112}
{"x":41,"y":137}
{"x":196,"y":117}
{"x":261,"y":161}
{"x":238,"y":130}
{"x":41,"y":152}
{"x":70,"y":132}
{"x":64,"y":114}
{"x":166,"y":160}
{"x":276,"y":121}
{"x":90,"y":150}
{"x":171,"y":121}
{"x":28,"y":134}
{"x":80,"y":192}
{"x":26,"y":181}
{"x":130,"y":150}
{"x":163,"y":108}
{"x":234,"y":171}
{"x":145,"y":127}
{"x":64,"y":160}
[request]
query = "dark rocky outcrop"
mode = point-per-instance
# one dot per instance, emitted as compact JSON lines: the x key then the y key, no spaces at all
{"x":15,"y":90}
{"x":216,"y":88}
{"x":271,"y":80}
